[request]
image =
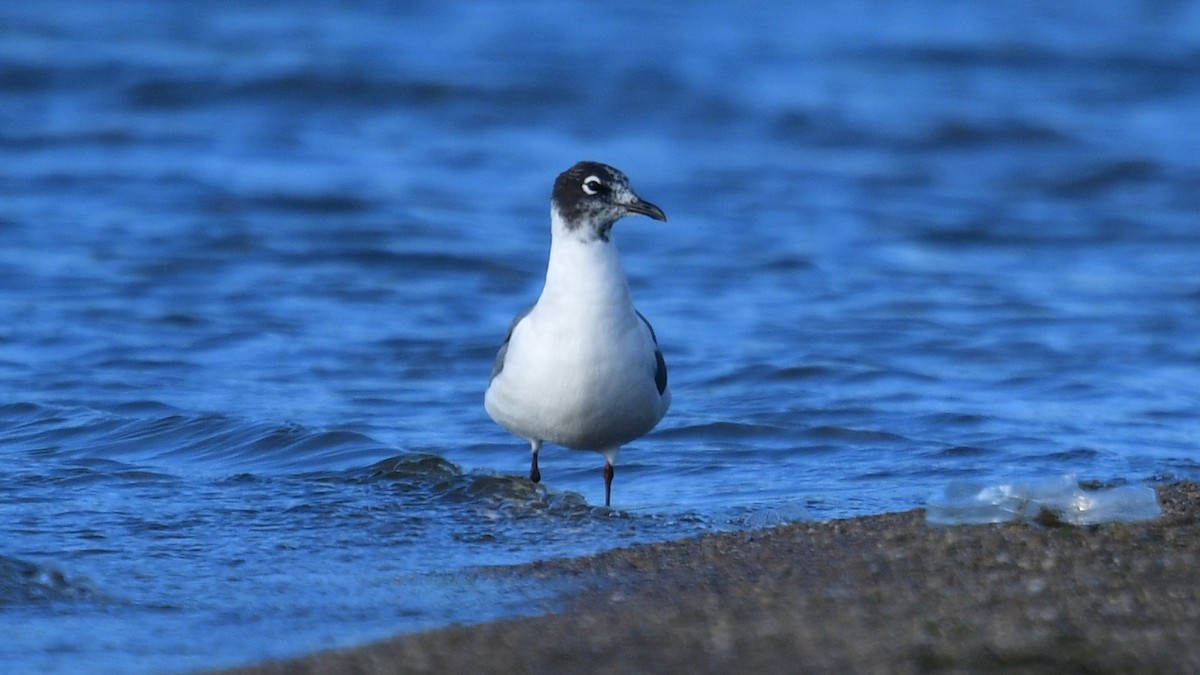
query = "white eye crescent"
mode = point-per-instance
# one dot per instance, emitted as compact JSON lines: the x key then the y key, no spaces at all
{"x":591,"y":185}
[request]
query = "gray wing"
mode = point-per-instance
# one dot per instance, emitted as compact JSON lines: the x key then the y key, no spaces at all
{"x":660,"y":371}
{"x":499,"y":364}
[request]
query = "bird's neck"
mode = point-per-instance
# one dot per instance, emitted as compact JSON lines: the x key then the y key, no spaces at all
{"x":583,"y":270}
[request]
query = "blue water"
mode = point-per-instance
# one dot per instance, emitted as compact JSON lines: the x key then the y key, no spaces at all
{"x":257,"y":258}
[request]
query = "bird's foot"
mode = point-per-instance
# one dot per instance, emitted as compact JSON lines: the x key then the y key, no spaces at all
{"x":608,"y":477}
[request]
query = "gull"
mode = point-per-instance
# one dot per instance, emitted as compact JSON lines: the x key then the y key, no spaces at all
{"x":581,"y":368}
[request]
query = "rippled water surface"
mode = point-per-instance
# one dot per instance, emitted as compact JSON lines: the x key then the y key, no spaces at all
{"x":257,"y":259}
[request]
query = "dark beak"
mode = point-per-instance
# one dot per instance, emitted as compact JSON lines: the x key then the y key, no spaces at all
{"x":639,"y":205}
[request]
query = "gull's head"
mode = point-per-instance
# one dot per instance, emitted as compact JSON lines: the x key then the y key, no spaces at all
{"x":589,"y":197}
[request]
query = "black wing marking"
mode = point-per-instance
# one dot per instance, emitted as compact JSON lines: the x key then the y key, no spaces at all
{"x":499,"y":364}
{"x":660,"y":370}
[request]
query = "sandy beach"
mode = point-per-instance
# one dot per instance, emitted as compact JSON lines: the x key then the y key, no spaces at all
{"x":877,"y":594}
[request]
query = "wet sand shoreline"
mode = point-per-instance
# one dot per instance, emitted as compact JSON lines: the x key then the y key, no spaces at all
{"x":886,"y":594}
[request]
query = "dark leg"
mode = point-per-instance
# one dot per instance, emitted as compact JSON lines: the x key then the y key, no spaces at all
{"x":534,"y":474}
{"x":608,"y":476}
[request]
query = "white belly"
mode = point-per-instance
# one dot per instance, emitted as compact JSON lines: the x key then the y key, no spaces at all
{"x":587,"y":387}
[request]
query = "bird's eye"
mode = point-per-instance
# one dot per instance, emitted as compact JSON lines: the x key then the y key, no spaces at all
{"x":592,"y":185}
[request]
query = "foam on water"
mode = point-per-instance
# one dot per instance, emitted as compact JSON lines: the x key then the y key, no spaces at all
{"x":1056,"y":501}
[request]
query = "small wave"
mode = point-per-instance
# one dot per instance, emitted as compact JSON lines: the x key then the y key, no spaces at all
{"x":328,"y":203}
{"x":412,"y":262}
{"x":317,"y":86}
{"x":406,"y":467}
{"x":826,"y":432}
{"x":869,"y":376}
{"x":95,"y":448}
{"x":25,"y":583}
{"x":26,"y":78}
{"x":1093,"y":180}
{"x":761,"y":372}
{"x":957,"y":451}
{"x":22,"y":411}
{"x":426,"y":478}
{"x":954,"y":419}
{"x":958,"y":134}
{"x":721,"y":431}
{"x":1076,"y":455}
{"x":106,"y":138}
{"x":139,"y":433}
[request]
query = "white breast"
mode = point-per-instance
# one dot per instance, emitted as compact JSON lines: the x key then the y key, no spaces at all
{"x":579,"y":368}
